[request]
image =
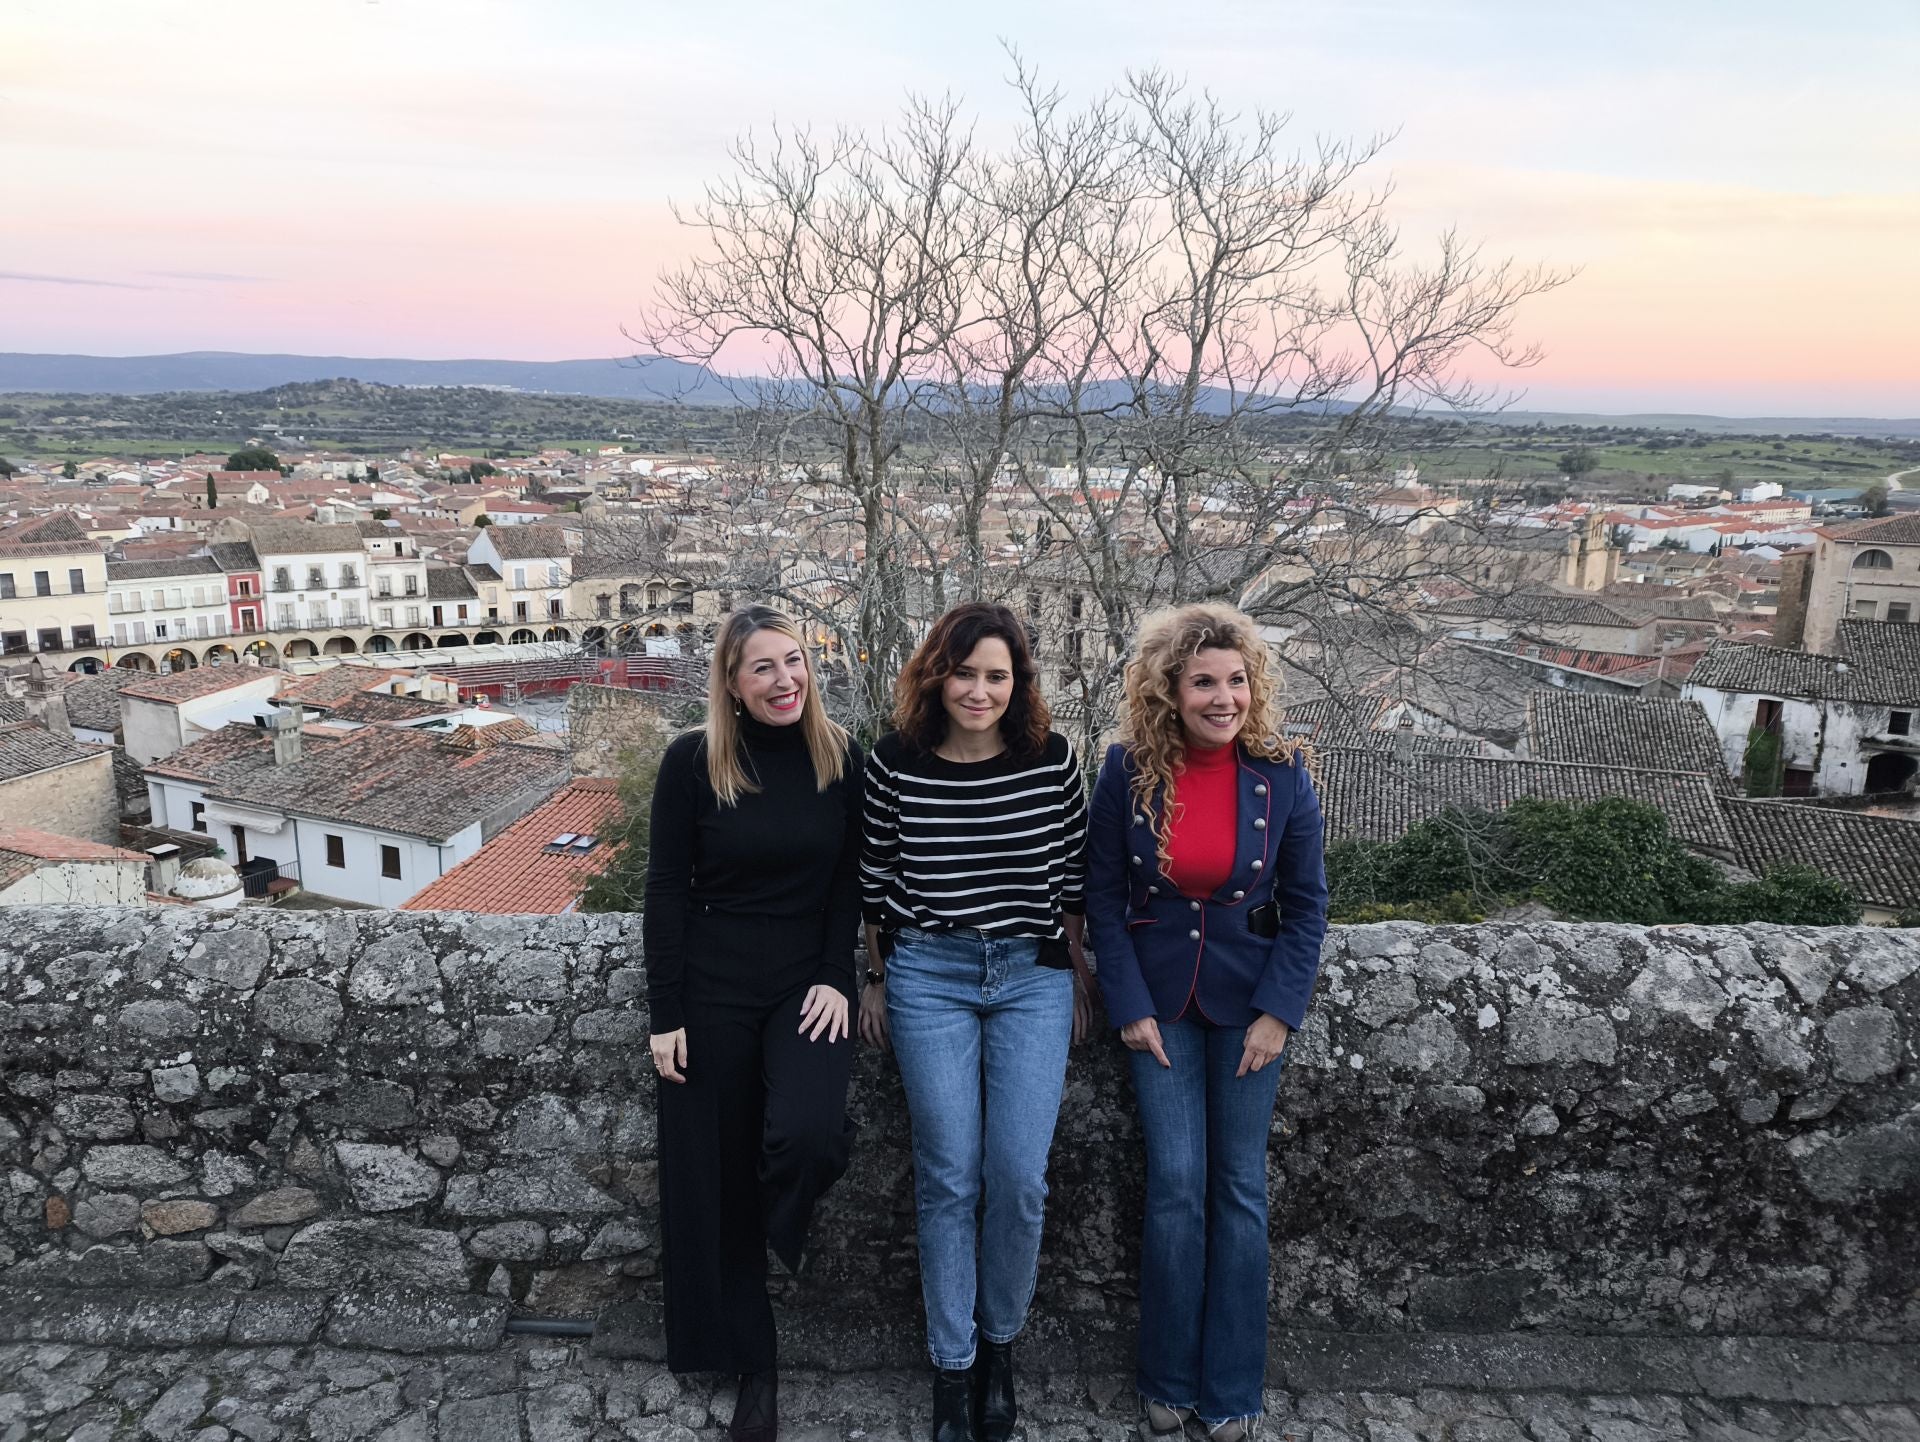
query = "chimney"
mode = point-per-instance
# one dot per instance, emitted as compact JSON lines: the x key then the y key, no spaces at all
{"x":45,"y":706}
{"x":163,"y":868}
{"x":286,"y":735}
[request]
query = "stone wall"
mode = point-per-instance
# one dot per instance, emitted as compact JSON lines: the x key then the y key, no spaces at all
{"x":77,"y":800}
{"x":1588,"y":1129}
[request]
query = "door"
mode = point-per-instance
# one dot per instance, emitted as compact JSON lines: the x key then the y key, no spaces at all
{"x":239,"y":846}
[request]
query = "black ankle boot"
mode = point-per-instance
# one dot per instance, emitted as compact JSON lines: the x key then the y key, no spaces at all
{"x":953,"y":1406}
{"x":756,"y":1412}
{"x":993,"y":1387}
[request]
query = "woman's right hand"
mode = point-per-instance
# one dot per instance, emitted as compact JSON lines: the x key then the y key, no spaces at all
{"x":669,"y":1050}
{"x":873,"y":1015}
{"x":1144,"y":1035}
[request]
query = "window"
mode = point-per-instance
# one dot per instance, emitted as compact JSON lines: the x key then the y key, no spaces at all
{"x":50,"y":639}
{"x":1873,"y":561}
{"x":337,"y":851}
{"x":349,"y":613}
{"x":159,"y":630}
{"x":283,"y":617}
{"x":1863,"y":610}
{"x":413,"y":585}
{"x":316,"y":578}
{"x":385,"y":587}
{"x":349,"y":577}
{"x":176,"y":597}
{"x":83,"y":637}
{"x":199,"y":821}
{"x":282,"y":578}
{"x":1899,"y":611}
{"x":1797,"y":781}
{"x":77,"y":582}
{"x":246,"y":587}
{"x":390,"y":862}
{"x":554,"y":608}
{"x":6,"y":586}
{"x":42,"y":583}
{"x":119,"y":633}
{"x":413,"y":615}
{"x":1767,"y":715}
{"x":386,"y":615}
{"x":520,"y":577}
{"x":13,"y":643}
{"x":1900,"y":723}
{"x":553,"y":574}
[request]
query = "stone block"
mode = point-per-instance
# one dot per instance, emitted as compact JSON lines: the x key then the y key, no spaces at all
{"x":280,"y":1207}
{"x":277,"y":1319}
{"x":385,"y":1179}
{"x":512,"y":1035}
{"x":510,"y":1242}
{"x":135,"y":1167}
{"x":357,"y":1253}
{"x":94,"y":1118}
{"x":107,"y":1214}
{"x":416,"y":1322}
{"x":397,"y":970}
{"x":230,"y":958}
{"x":172,"y":1218}
{"x":301,"y":1010}
{"x":160,"y":1020}
{"x":176,"y":1083}
{"x":1864,"y":1042}
{"x":519,"y":1192}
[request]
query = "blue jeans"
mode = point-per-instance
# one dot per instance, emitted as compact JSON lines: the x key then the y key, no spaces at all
{"x":982,"y":1035}
{"x":1204,"y":1258}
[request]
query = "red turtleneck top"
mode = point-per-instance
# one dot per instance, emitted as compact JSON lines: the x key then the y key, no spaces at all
{"x":1205,"y":818}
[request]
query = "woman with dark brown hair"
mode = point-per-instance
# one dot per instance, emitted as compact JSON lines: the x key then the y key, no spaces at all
{"x":971,"y":879}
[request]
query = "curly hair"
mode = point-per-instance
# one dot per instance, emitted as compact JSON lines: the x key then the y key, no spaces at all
{"x":1150,"y":711}
{"x":919,"y":706}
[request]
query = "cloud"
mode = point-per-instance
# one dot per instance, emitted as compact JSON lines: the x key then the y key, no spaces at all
{"x":32,"y":279}
{"x":213,"y":277}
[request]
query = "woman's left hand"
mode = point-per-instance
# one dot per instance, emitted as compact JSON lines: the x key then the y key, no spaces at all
{"x":1266,"y":1039}
{"x":1082,"y":1011}
{"x":825,"y":1011}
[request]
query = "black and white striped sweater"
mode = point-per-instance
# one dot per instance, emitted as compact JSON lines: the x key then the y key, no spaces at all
{"x":998,"y":845}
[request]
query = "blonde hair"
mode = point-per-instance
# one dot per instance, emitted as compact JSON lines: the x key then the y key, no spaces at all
{"x":1150,"y":712}
{"x":826,"y":739}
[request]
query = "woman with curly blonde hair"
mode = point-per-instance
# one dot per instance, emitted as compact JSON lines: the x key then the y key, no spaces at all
{"x":1207,"y":902}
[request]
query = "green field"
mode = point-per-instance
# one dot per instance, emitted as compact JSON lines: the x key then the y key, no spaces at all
{"x":1629,"y":462}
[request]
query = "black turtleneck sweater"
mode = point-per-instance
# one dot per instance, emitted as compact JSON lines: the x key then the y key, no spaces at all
{"x":754,"y":897}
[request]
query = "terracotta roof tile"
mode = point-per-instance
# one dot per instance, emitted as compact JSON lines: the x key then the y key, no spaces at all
{"x":189,"y":685}
{"x":1877,"y":858}
{"x":26,"y":748}
{"x":515,"y":873}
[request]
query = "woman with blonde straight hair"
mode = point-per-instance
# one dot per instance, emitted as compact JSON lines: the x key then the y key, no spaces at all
{"x":752,"y":913}
{"x":1207,"y":902}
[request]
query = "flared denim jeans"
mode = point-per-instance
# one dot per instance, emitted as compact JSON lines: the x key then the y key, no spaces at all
{"x":1204,"y":1263}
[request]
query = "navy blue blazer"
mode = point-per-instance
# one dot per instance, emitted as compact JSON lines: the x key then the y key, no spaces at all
{"x":1159,"y":951}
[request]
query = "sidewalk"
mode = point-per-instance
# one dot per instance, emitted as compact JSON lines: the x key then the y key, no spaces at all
{"x":538,"y":1391}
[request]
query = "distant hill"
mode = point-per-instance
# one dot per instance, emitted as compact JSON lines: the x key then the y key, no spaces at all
{"x":651,"y":379}
{"x":655,"y":379}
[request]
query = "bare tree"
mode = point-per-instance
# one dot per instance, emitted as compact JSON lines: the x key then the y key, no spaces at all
{"x":1173,"y":351}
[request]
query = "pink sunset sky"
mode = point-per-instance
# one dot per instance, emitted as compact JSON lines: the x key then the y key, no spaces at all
{"x":1738,"y":184}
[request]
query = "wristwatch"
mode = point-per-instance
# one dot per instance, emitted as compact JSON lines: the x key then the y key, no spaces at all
{"x":876,"y":978}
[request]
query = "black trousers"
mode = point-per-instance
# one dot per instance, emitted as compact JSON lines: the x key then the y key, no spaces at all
{"x":747,"y":1144}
